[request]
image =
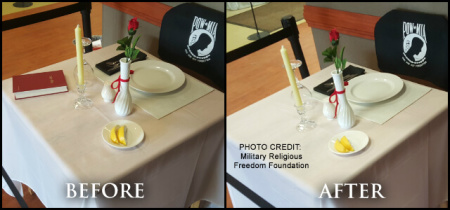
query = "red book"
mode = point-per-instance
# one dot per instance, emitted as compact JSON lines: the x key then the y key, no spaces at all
{"x":38,"y":84}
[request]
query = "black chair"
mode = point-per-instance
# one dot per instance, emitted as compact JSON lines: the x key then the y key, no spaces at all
{"x":414,"y":45}
{"x":193,"y":36}
{"x":289,"y":31}
{"x":83,"y":7}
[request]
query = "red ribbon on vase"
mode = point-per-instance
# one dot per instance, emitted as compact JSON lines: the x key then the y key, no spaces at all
{"x":335,"y":93}
{"x":119,"y":80}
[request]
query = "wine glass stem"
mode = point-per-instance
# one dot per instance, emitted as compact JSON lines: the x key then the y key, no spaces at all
{"x":302,"y":116}
{"x":82,"y":102}
{"x":81,"y":91}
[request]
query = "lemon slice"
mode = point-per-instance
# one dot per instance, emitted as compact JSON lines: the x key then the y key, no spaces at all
{"x":339,"y":147}
{"x":121,"y":134}
{"x":114,"y":135}
{"x":346,"y":143}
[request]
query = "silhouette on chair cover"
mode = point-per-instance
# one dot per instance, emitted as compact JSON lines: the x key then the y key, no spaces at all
{"x":415,"y":49}
{"x":201,"y":46}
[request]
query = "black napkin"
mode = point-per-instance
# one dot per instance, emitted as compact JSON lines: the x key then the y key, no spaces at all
{"x":110,"y":70}
{"x":328,"y":89}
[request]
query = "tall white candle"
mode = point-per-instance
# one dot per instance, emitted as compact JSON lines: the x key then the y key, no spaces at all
{"x":290,"y":73}
{"x":79,"y":47}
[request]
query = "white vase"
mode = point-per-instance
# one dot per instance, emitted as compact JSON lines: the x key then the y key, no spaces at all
{"x":123,"y":103}
{"x":108,"y":93}
{"x":345,"y":115}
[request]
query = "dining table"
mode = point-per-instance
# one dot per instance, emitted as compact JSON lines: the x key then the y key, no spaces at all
{"x":49,"y":145}
{"x":404,"y":163}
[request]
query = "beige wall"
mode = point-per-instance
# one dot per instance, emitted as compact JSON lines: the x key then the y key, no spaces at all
{"x":362,"y":51}
{"x":115,"y":25}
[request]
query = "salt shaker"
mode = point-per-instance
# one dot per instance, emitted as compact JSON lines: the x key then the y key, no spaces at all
{"x":108,"y":93}
{"x":328,"y":110}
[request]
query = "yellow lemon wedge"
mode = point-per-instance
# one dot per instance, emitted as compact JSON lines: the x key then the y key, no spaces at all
{"x":346,"y":143}
{"x":339,"y":147}
{"x":121,"y":134}
{"x":114,"y":135}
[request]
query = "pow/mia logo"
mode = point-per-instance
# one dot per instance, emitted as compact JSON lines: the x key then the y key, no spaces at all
{"x":202,"y":39}
{"x":414,"y":44}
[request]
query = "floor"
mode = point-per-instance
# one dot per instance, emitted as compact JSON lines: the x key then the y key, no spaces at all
{"x":257,"y":74}
{"x":9,"y":8}
{"x":237,"y":35}
{"x":34,"y":46}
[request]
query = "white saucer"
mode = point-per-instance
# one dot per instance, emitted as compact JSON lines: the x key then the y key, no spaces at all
{"x":134,"y":134}
{"x":358,"y":139}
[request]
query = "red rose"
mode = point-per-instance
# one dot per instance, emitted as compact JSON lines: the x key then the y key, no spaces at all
{"x":133,"y":24}
{"x":334,"y":35}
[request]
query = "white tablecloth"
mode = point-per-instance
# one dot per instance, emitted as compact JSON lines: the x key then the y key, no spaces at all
{"x":407,"y":155}
{"x":46,"y":143}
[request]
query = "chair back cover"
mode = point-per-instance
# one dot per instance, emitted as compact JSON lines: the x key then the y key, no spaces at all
{"x":413,"y":44}
{"x":193,"y":36}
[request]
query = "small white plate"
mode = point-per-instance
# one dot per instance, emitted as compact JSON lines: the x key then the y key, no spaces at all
{"x":373,"y":88}
{"x":152,"y":76}
{"x":358,"y":139}
{"x":134,"y":134}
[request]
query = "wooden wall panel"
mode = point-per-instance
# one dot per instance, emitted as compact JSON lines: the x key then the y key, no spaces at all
{"x":354,"y":24}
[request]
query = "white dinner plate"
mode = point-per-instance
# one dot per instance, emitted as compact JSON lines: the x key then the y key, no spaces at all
{"x":152,"y":76}
{"x":133,"y":135}
{"x":358,"y":139}
{"x":373,"y":88}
